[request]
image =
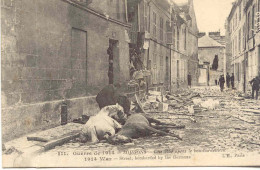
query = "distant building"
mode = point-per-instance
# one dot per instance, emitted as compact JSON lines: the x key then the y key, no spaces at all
{"x":184,"y":49}
{"x":211,"y":59}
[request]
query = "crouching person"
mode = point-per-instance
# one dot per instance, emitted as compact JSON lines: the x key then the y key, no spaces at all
{"x":110,"y":95}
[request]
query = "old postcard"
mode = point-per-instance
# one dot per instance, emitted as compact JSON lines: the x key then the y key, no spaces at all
{"x":130,"y":83}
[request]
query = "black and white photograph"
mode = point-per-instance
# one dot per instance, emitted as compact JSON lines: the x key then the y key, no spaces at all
{"x":130,"y":83}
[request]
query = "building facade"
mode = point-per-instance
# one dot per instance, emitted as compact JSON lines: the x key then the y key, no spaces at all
{"x":63,"y":52}
{"x":55,"y":52}
{"x":236,"y":28}
{"x":165,"y":34}
{"x":242,"y":27}
{"x":184,"y":49}
{"x":211,"y":58}
{"x":149,"y":21}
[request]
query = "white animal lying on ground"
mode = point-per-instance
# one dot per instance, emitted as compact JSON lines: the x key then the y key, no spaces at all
{"x":210,"y":104}
{"x":197,"y":101}
{"x":102,"y":125}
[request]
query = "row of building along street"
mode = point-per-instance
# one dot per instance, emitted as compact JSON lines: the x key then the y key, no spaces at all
{"x":70,"y":49}
{"x":63,"y":61}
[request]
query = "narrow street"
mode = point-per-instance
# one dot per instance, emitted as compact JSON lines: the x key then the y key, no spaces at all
{"x":225,"y":128}
{"x":75,"y":70}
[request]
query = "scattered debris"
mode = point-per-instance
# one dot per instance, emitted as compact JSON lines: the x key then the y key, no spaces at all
{"x":40,"y":139}
{"x":163,"y":107}
{"x":11,"y":150}
{"x":251,"y":110}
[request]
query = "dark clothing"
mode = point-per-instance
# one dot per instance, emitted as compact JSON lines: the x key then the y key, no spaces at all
{"x":110,"y":74}
{"x":255,"y":83}
{"x":232,"y":79}
{"x":253,"y":93}
{"x":255,"y":87}
{"x":228,"y":80}
{"x":216,"y":82}
{"x":107,"y":96}
{"x":189,"y":80}
{"x":221,"y":83}
{"x":110,"y":96}
{"x":123,"y":101}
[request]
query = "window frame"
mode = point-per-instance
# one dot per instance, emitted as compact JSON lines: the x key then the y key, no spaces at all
{"x":161,"y":29}
{"x":154,"y":24}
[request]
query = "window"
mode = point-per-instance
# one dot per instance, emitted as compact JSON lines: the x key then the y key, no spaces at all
{"x":234,"y":23}
{"x":253,"y":19}
{"x":258,"y":18}
{"x":173,"y":37}
{"x":178,"y":38}
{"x":240,"y":12}
{"x":154,"y":24}
{"x":185,"y":38}
{"x":161,"y":29}
{"x":237,"y":70}
{"x":154,"y":74}
{"x":243,"y":35}
{"x":248,"y":24}
{"x":239,"y":40}
{"x":178,"y":69}
{"x":232,"y":45}
{"x":161,"y":69}
{"x":235,"y":45}
{"x":258,"y":5}
{"x":169,"y":33}
{"x":155,"y":53}
{"x":231,"y":26}
{"x":118,"y":9}
{"x":145,"y":16}
{"x":234,"y":48}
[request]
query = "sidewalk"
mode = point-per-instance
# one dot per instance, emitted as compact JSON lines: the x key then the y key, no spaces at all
{"x":15,"y":151}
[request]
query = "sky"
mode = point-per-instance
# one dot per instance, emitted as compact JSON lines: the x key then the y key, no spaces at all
{"x":211,"y":14}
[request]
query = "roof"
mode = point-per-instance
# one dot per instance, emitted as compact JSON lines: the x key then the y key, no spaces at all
{"x":206,"y":41}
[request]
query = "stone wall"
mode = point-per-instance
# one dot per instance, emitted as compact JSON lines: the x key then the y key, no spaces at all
{"x":54,"y":51}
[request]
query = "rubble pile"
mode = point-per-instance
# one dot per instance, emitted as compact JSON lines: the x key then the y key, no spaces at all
{"x":187,"y":102}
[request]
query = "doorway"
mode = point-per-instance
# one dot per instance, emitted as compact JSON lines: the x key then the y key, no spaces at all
{"x":178,"y":72}
{"x":113,"y":57}
{"x":167,"y":72}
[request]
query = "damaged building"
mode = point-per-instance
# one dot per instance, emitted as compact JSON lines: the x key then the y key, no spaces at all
{"x":59,"y":54}
{"x":164,"y":34}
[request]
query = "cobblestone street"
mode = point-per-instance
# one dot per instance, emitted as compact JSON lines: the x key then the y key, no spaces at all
{"x":225,"y":128}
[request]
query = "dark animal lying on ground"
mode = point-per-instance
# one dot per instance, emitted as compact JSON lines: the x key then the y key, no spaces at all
{"x":137,"y":125}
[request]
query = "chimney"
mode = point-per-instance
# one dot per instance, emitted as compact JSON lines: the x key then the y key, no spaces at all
{"x":201,"y":34}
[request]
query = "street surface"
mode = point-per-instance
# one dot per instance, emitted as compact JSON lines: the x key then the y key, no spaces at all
{"x":226,"y":127}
